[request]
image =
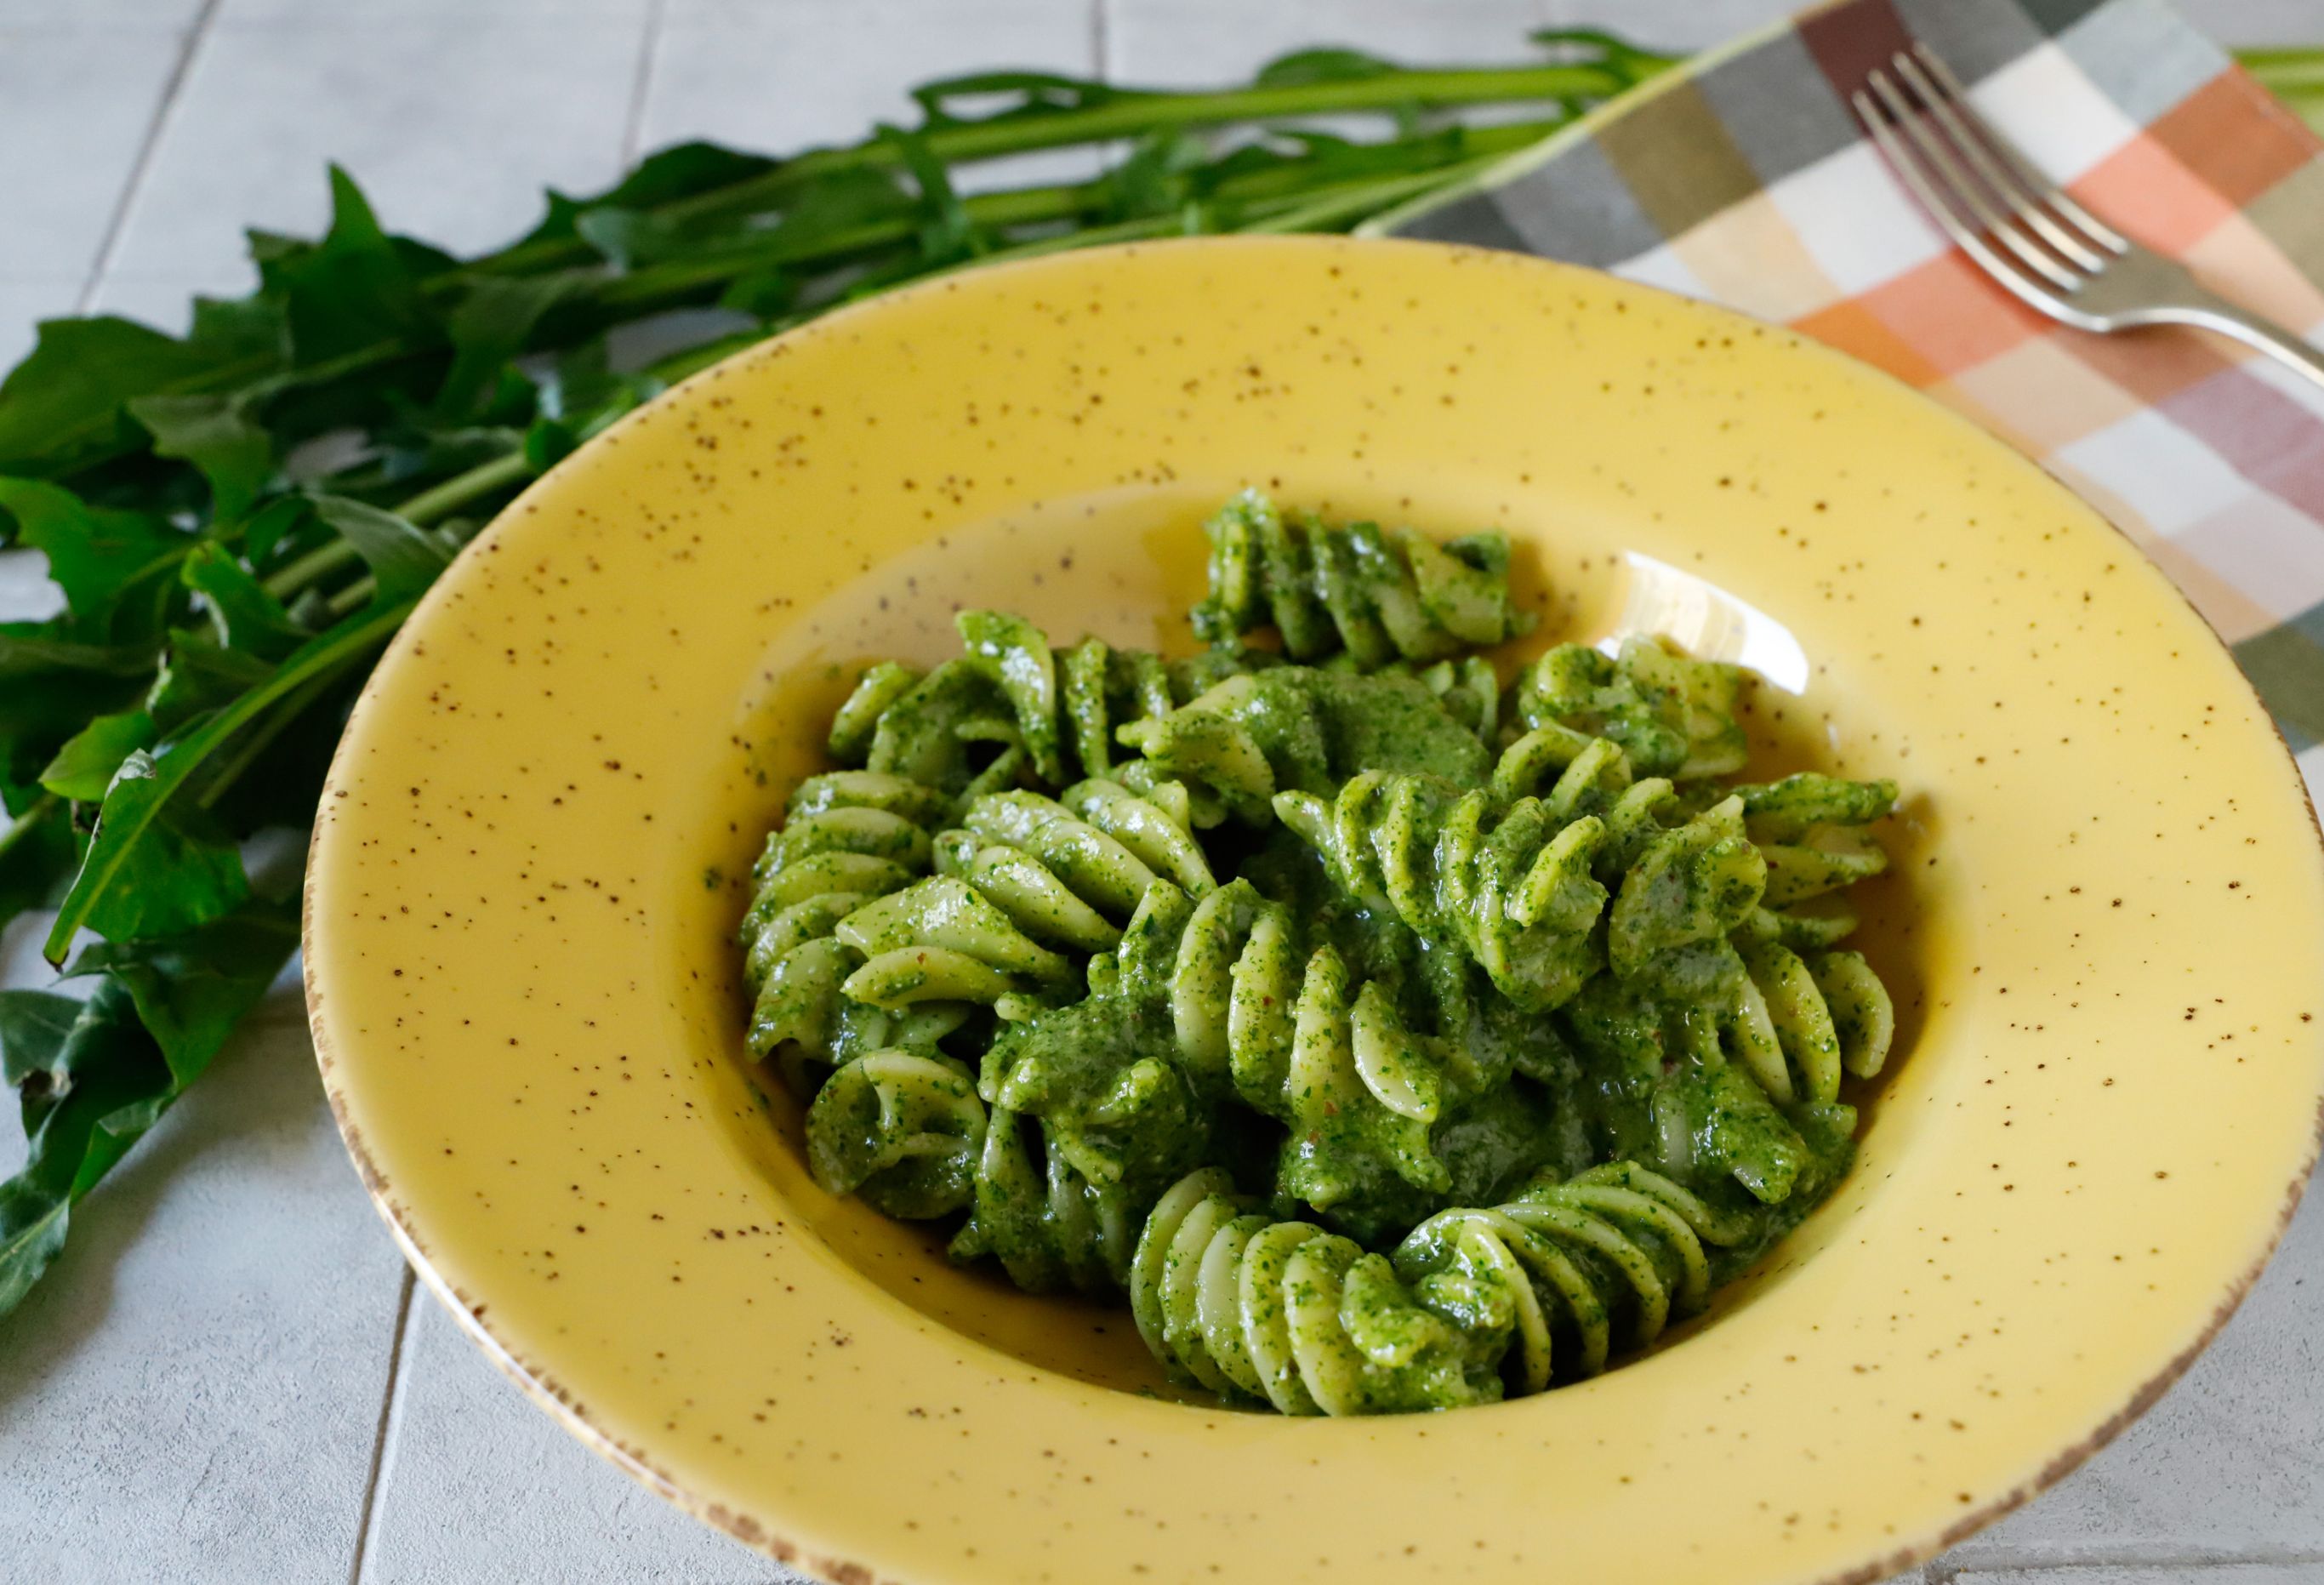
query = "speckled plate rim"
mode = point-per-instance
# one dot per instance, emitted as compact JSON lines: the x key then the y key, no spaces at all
{"x":847,"y":1571}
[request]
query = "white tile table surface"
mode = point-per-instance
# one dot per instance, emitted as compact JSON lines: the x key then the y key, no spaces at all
{"x":229,"y":1377}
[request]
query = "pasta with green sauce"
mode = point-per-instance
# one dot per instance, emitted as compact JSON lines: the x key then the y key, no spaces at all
{"x":1389,"y":1037}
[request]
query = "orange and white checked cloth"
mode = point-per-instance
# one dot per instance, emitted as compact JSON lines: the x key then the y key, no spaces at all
{"x":1743,"y":178}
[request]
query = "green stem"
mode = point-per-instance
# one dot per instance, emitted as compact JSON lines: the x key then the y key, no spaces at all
{"x":1136,"y":114}
{"x":669,"y":284}
{"x":486,"y":478}
{"x":1334,"y":211}
{"x":353,"y":597}
{"x":255,"y":744}
{"x":666,"y":285}
{"x":1130,"y":115}
{"x":430,"y":505}
{"x":295,"y":575}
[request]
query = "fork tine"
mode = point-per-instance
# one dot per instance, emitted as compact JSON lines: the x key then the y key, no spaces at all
{"x":1964,"y":235}
{"x":1965,"y":189}
{"x":2032,"y":180}
{"x":1974,"y":138}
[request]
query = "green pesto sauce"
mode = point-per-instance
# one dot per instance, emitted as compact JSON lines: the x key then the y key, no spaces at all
{"x":1389,"y":723}
{"x":1101,"y":1073}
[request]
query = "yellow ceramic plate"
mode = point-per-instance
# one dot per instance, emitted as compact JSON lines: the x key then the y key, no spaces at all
{"x":2104,"y":926}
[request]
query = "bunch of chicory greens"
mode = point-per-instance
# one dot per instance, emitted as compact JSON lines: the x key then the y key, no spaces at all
{"x":236,"y":521}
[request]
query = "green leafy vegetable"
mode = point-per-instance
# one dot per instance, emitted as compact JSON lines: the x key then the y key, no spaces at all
{"x":90,"y":1080}
{"x":404,"y":559}
{"x":149,"y":869}
{"x":214,"y":433}
{"x":85,"y":766}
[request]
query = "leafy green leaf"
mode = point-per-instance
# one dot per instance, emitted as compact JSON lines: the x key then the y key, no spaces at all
{"x":32,"y":1221}
{"x":245,"y":616}
{"x":240,"y":332}
{"x":405,"y":455}
{"x":94,"y":1075}
{"x":948,"y":233}
{"x":148,"y":870}
{"x":288,"y":755}
{"x":33,"y":1025}
{"x":70,"y":393}
{"x":403,"y":557}
{"x":841,"y":204}
{"x":192,"y":989}
{"x":1153,"y":179}
{"x":683,"y":170}
{"x":118,"y":569}
{"x":627,"y":238}
{"x":765,"y":294}
{"x":352,"y":289}
{"x":200,"y":675}
{"x":49,"y":687}
{"x":218,"y":436}
{"x":90,"y":1092}
{"x":143,"y":867}
{"x":490,"y":324}
{"x":36,"y":852}
{"x":271,"y":525}
{"x":86,"y":764}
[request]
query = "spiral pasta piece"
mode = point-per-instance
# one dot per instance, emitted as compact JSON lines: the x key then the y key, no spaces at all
{"x":953,"y":729}
{"x":1287,"y":1313}
{"x":1694,"y":882}
{"x":1824,"y":1012}
{"x":1070,"y":707}
{"x":1047,"y":1224}
{"x":849,"y":838}
{"x":1507,"y":885}
{"x":1022,"y":882}
{"x":1104,"y":689}
{"x":1810,"y":828}
{"x":1616,"y":1242}
{"x":902,"y":1129}
{"x":1743,"y":1081}
{"x":1468,"y":690}
{"x":1306,"y":729}
{"x":1295,"y":1034}
{"x":1672,"y":715}
{"x":1377,"y":596}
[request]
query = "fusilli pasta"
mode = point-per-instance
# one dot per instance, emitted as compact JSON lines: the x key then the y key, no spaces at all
{"x":1392,"y":1039}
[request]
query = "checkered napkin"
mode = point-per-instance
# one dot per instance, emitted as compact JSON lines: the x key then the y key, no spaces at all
{"x":1746,"y":179}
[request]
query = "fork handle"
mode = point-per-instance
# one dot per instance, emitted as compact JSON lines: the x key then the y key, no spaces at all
{"x":2228,"y":320}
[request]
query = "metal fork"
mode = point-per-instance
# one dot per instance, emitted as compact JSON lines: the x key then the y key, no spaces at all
{"x":2049,"y":250}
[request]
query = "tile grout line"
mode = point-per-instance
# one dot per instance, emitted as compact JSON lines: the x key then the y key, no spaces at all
{"x":117,"y":223}
{"x":383,"y":1440}
{"x":1102,"y":40}
{"x":633,"y":124}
